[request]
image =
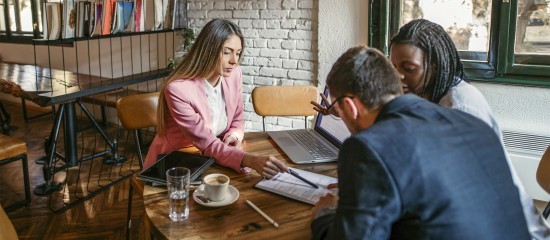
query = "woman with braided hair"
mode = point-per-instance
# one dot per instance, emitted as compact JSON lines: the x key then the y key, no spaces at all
{"x":428,"y":61}
{"x":430,"y":67}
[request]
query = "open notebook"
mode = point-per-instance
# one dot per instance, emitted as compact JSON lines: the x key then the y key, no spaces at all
{"x":292,"y":187}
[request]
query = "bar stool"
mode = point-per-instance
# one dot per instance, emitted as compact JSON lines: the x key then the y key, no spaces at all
{"x":11,"y":150}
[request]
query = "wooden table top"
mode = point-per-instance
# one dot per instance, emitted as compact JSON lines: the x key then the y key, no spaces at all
{"x":239,"y":220}
{"x":46,"y":86}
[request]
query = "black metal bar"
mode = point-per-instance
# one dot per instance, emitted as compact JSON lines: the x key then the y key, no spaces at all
{"x":69,"y":133}
{"x":263,"y":121}
{"x":50,"y":186}
{"x":138,"y":145}
{"x":76,"y":39}
{"x":35,"y":20}
{"x":27,"y":200}
{"x":97,"y":154}
{"x":546,"y":211}
{"x":7,"y":18}
{"x":96,"y":125}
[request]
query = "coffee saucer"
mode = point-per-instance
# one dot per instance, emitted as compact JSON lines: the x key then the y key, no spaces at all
{"x":231,"y":197}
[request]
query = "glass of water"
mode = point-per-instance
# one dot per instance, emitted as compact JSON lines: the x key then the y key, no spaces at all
{"x":177,"y":181}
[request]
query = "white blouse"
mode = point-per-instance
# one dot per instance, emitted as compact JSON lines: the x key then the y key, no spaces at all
{"x":216,"y":104}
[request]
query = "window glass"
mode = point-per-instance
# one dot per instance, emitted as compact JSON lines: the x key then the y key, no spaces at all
{"x":25,"y":15}
{"x":11,"y":9}
{"x":466,"y":21}
{"x":532,"y":32}
{"x":2,"y":18}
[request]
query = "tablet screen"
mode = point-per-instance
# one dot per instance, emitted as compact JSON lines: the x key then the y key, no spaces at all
{"x":157,"y":172}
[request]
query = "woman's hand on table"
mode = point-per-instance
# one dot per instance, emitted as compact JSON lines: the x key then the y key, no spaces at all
{"x":233,"y":141}
{"x":267,"y":166}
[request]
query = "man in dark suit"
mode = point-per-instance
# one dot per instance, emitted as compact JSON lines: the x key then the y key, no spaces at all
{"x":412,"y":169}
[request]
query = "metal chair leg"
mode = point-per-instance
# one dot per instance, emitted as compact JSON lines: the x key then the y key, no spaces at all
{"x":546,"y":211}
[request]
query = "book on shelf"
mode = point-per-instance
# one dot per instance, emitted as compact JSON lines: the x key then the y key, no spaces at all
{"x":108,"y":10}
{"x":69,"y":16}
{"x":290,"y":186}
{"x":84,"y":18}
{"x":54,"y":15}
{"x":168,"y":14}
{"x":128,"y":17}
{"x":139,"y":16}
{"x":98,"y":21}
{"x":159,"y":7}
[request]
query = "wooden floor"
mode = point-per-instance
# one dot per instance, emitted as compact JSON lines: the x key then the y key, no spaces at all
{"x":67,"y":214}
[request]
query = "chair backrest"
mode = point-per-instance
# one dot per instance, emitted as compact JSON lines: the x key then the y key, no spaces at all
{"x":284,"y":100}
{"x":7,"y":231}
{"x":543,"y":171}
{"x":138,"y":111}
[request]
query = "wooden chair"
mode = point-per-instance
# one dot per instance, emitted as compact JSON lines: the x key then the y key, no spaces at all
{"x":284,"y":101}
{"x":7,"y":231}
{"x":543,"y":177}
{"x":11,"y":150}
{"x":137,"y":112}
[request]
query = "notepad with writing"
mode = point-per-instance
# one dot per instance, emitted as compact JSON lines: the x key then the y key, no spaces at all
{"x":292,"y":187}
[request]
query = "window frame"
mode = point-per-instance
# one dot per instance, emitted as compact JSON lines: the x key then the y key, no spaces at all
{"x":499,"y":66}
{"x":9,"y":36}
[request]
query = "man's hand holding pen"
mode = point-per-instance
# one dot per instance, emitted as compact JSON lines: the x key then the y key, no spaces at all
{"x":323,"y":110}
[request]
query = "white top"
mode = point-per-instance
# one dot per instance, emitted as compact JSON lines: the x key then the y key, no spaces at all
{"x":216,"y":104}
{"x":467,"y":98}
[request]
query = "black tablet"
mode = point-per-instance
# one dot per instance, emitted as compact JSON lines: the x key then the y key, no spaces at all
{"x":156,"y":173}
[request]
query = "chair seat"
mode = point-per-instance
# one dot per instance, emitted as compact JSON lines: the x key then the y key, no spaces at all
{"x":11,"y":147}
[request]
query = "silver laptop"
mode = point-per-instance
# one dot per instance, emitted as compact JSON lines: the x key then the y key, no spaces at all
{"x":320,"y":144}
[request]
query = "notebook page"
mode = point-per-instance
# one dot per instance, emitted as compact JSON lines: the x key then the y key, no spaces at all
{"x":292,"y":187}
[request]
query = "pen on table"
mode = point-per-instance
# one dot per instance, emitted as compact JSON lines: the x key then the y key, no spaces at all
{"x":293,"y":173}
{"x":263,"y":214}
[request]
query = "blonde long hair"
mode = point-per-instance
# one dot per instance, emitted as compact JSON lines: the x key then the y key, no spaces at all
{"x":201,"y":61}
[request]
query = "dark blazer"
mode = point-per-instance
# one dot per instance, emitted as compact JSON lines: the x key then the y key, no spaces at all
{"x":424,"y":172}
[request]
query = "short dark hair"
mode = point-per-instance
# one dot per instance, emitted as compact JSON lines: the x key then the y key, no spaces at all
{"x":365,"y":73}
{"x":440,"y":51}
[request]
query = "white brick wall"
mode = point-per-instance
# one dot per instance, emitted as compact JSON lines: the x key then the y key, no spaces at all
{"x":280,"y":38}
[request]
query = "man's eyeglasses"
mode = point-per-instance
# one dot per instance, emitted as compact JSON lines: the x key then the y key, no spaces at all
{"x":337,"y":100}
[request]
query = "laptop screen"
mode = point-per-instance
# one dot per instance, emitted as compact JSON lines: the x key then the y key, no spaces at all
{"x":331,"y":127}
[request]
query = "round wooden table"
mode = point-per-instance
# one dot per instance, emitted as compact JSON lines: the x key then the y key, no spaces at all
{"x":238,"y":220}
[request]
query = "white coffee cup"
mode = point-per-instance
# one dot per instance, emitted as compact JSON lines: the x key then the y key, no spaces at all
{"x":216,"y":185}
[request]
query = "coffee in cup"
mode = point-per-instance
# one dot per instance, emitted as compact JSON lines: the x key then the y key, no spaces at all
{"x":216,"y":186}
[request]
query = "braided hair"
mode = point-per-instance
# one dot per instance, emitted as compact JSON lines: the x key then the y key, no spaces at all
{"x":440,"y":51}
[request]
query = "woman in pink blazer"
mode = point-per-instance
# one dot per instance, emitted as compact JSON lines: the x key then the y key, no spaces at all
{"x":201,"y":103}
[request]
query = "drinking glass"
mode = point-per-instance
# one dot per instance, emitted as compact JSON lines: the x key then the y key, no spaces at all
{"x":177,"y":181}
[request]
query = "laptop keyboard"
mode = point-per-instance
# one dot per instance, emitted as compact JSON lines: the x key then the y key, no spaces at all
{"x":311,"y":144}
